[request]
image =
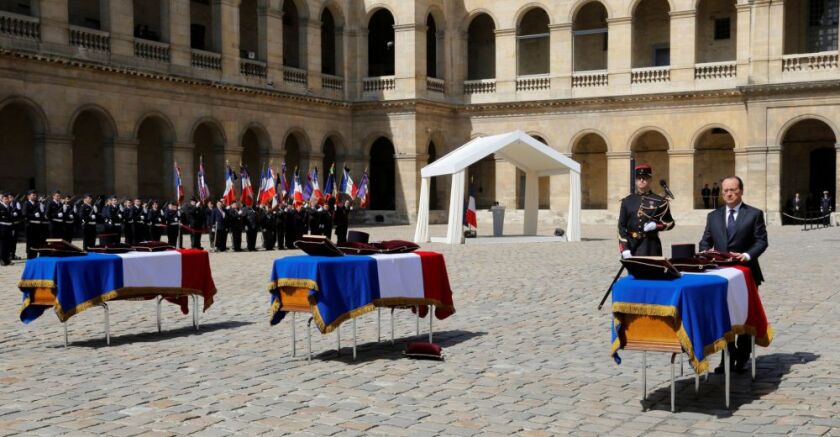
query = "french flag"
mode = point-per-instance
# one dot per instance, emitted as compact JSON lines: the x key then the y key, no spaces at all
{"x":230,"y":188}
{"x":297,"y":189}
{"x":247,"y":189}
{"x":329,"y":187}
{"x":283,"y":192}
{"x":203,"y":189}
{"x":346,"y":186}
{"x":316,"y":187}
{"x":270,"y":191}
{"x":363,"y":192}
{"x":470,"y":215}
{"x":179,"y":188}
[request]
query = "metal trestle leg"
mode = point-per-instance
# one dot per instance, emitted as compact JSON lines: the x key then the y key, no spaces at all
{"x":752,"y":360}
{"x":107,"y":324}
{"x":338,"y":340}
{"x":309,"y":339}
{"x":417,"y":308}
{"x":673,"y":383}
{"x":392,"y":325}
{"x":644,"y":375}
{"x":294,"y":337}
{"x":354,"y":339}
{"x":66,"y":342}
{"x":431,"y":311}
{"x":159,"y":324}
{"x":726,"y":373}
{"x":378,"y":325}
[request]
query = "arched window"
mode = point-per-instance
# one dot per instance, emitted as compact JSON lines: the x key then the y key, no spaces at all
{"x":381,"y":44}
{"x":431,"y":47}
{"x":714,"y":159}
{"x":147,"y":20}
{"x":716,"y":31}
{"x":590,"y":37}
{"x":809,"y":163}
{"x":152,"y":171}
{"x":481,"y":48}
{"x":292,"y":148}
{"x":533,"y":43}
{"x":383,"y":173}
{"x":591,"y":152}
{"x":18,"y":131}
{"x":252,"y":155}
{"x":651,"y":34}
{"x":91,"y":134}
{"x":810,"y":26}
{"x":329,"y":42}
{"x":292,"y":35}
{"x":209,"y":148}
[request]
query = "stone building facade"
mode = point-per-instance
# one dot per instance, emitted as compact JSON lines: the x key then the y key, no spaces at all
{"x":105,"y":95}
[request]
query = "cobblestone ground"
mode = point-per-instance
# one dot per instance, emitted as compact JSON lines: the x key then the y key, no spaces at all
{"x":526,"y":353}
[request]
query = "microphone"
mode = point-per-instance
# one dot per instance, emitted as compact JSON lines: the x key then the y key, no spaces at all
{"x":667,"y":190}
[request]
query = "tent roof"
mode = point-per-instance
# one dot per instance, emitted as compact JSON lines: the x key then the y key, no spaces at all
{"x":516,"y":147}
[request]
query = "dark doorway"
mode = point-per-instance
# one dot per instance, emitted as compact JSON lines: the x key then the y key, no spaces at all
{"x":382,"y":176}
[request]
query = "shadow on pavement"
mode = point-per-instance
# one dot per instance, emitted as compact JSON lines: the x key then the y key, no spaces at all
{"x":152,"y":336}
{"x":769,"y":371}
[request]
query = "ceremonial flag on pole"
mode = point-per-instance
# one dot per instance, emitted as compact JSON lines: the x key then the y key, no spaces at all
{"x":284,"y":183}
{"x":307,"y":187}
{"x":261,"y":191}
{"x":470,"y":214}
{"x":347,"y":187}
{"x":203,"y":189}
{"x":247,"y":195}
{"x":316,"y":187}
{"x":230,"y":189}
{"x":179,"y":189}
{"x":269,"y":194}
{"x":363,"y":193}
{"x":329,"y":187}
{"x":297,"y":189}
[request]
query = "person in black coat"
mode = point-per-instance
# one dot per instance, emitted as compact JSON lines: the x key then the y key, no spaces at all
{"x":127,"y":210}
{"x":113,"y":218}
{"x":220,"y":226}
{"x":293,"y":217}
{"x":34,"y":216}
{"x":341,"y":219}
{"x":70,"y":219}
{"x":327,"y":219}
{"x":826,"y":206}
{"x":737,"y":228}
{"x":140,"y":213}
{"x":156,"y":221}
{"x":210,"y":221}
{"x":268,"y":225}
{"x":280,"y":226}
{"x":7,"y":232}
{"x":172,"y":217}
{"x":235,"y":215}
{"x":197,"y":222}
{"x":89,"y":215}
{"x":250,"y":223}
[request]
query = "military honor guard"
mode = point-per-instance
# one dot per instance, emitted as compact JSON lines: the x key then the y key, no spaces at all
{"x":112,"y":216}
{"x":197,"y":221}
{"x":89,"y":215}
{"x":826,"y":206}
{"x":220,"y":226}
{"x":341,"y":218}
{"x":642,"y":216}
{"x":140,"y":212}
{"x":35,"y":218}
{"x":68,"y":210}
{"x":249,"y":222}
{"x":7,"y":228}
{"x":55,"y":216}
{"x":235,"y":216}
{"x":156,"y":221}
{"x":172,"y":218}
{"x":268,"y":225}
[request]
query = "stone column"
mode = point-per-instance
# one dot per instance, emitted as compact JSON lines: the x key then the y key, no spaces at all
{"x":314,"y":159}
{"x":760,"y":41}
{"x":773,"y":184}
{"x":313,"y":53}
{"x":123,"y":161}
{"x":54,"y":17}
{"x":506,"y":184}
{"x":776,"y":40}
{"x":408,"y":184}
{"x":176,"y":25}
{"x":681,"y":169}
{"x":456,"y":74}
{"x":683,"y":41}
{"x":618,"y":183}
{"x":619,"y":52}
{"x":763,"y":177}
{"x":229,"y":28}
{"x":836,"y":177}
{"x":182,"y":153}
{"x":562,"y":57}
{"x":119,"y":21}
{"x":57,"y":156}
{"x":409,"y":57}
{"x":744,"y":27}
{"x":506,"y":63}
{"x":273,"y":19}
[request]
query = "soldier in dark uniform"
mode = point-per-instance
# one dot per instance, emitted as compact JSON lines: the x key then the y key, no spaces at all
{"x":70,"y":219}
{"x":220,"y":225}
{"x":127,"y":210}
{"x":7,"y":229}
{"x":280,"y":226}
{"x":826,"y":206}
{"x":327,"y":219}
{"x":17,"y":220}
{"x":342,"y":221}
{"x":642,"y":216}
{"x":210,"y":221}
{"x":250,"y":222}
{"x":89,"y":213}
{"x":268,"y":225}
{"x":172,"y":217}
{"x":33,"y":213}
{"x":140,"y":213}
{"x":235,"y":215}
{"x":198,"y":221}
{"x":715,"y":195}
{"x":55,"y":216}
{"x":156,"y":222}
{"x":113,"y":218}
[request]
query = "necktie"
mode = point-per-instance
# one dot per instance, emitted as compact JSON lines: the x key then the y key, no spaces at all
{"x":730,"y":224}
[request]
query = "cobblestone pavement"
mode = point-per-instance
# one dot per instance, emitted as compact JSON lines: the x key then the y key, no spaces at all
{"x":526,"y":353}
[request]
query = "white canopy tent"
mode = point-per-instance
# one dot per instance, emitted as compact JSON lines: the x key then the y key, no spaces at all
{"x":528,"y":154}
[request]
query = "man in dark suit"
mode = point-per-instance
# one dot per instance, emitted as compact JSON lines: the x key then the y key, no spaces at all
{"x":706,"y":194}
{"x":826,"y":206}
{"x":739,"y":229}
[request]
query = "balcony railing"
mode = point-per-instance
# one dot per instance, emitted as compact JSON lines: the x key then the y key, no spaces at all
{"x":381,"y":83}
{"x":331,"y":82}
{"x":480,"y":86}
{"x":295,"y":76}
{"x":90,"y":39}
{"x":650,"y":75}
{"x":533,"y":83}
{"x":590,"y":79}
{"x":715,"y":70}
{"x":206,"y":60}
{"x":152,"y":50}
{"x":251,"y":68}
{"x":19,"y":26}
{"x":436,"y":85}
{"x":821,"y":61}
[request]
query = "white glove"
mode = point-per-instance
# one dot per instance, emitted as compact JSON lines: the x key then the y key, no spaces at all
{"x":60,"y":215}
{"x":626,"y":254}
{"x":37,"y":215}
{"x":650,"y":226}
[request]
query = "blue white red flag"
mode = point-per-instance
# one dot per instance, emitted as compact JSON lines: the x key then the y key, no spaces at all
{"x":470,"y":213}
{"x":329,"y":186}
{"x":363,"y":193}
{"x":269,"y":194}
{"x":283,"y":192}
{"x":316,"y":186}
{"x":297,"y":189}
{"x":347,"y":186}
{"x":247,"y":196}
{"x":179,"y":189}
{"x":203,"y":189}
{"x":230,"y":186}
